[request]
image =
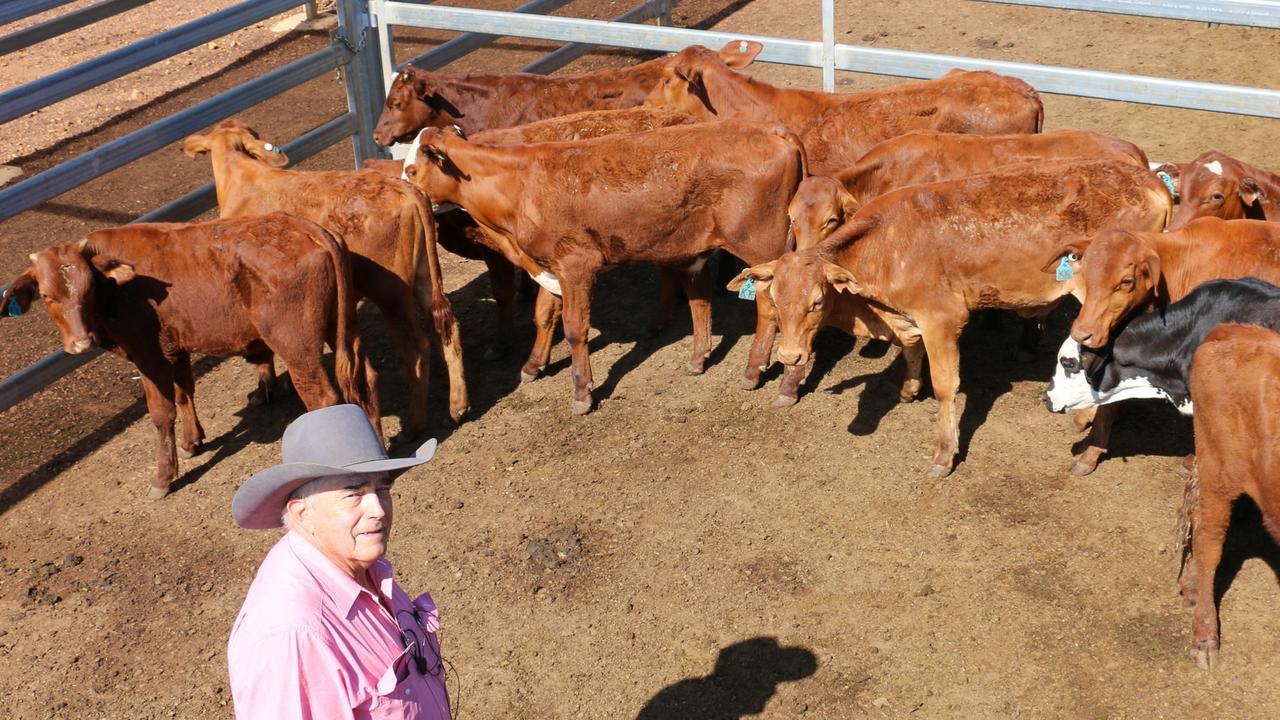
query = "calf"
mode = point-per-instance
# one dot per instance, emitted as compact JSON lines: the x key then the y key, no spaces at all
{"x":419,"y":99}
{"x":1218,"y":185}
{"x":388,"y":227}
{"x":155,"y":293}
{"x":1126,"y":272}
{"x":1236,"y":376}
{"x":837,"y":129}
{"x":925,"y":256}
{"x":562,"y":211}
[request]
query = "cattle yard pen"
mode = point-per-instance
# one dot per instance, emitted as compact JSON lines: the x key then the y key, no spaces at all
{"x":363,"y":48}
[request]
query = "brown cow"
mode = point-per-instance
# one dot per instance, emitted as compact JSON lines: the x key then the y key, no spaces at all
{"x":1235,"y":379}
{"x":563,"y":211}
{"x":155,"y":293}
{"x":419,"y":99}
{"x":388,"y":227}
{"x":1127,"y":272}
{"x":837,"y":129}
{"x":1218,"y":185}
{"x":925,"y":256}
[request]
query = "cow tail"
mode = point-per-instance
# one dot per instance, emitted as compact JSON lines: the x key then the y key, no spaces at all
{"x":792,"y":139}
{"x":354,"y":371}
{"x":1186,"y":522}
{"x":427,"y":269}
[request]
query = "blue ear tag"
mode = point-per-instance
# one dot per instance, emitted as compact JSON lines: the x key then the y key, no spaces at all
{"x":1167,"y":179}
{"x":12,"y":309}
{"x":748,"y":290}
{"x":1064,"y":272}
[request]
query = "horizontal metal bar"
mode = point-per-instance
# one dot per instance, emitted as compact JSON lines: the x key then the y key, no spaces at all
{"x":19,"y":10}
{"x":65,"y":24}
{"x":1066,"y":81}
{"x":567,"y":54}
{"x":57,"y":180}
{"x":57,"y":364}
{"x":463,"y":44}
{"x":1253,"y":13}
{"x":104,"y":68}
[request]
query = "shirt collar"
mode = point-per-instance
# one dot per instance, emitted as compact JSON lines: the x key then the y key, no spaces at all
{"x":342,"y":589}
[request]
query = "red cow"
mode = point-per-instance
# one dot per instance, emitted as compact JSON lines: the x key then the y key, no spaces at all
{"x":1217,"y":185}
{"x":155,"y":293}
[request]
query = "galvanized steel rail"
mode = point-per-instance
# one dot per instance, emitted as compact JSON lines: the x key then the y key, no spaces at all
{"x":1253,"y":13}
{"x":19,"y":10}
{"x":65,"y":23}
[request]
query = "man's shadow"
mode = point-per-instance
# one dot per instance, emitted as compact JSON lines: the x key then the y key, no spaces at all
{"x":747,"y":674}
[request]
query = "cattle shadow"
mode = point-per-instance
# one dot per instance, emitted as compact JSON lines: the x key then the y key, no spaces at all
{"x":1246,"y":539}
{"x":746,"y":676}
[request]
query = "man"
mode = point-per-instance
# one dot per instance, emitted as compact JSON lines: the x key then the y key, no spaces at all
{"x":325,"y":631}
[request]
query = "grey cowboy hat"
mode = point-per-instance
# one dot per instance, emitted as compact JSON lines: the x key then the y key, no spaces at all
{"x":337,"y":440}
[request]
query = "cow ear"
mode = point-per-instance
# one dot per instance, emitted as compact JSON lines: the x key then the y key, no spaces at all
{"x":195,"y":145}
{"x":849,"y":205}
{"x":1149,"y":271}
{"x":17,"y":298}
{"x":738,"y":54}
{"x":1250,"y":191}
{"x":840,"y":279}
{"x":761,"y":275}
{"x":418,"y":83}
{"x":1071,"y":251}
{"x":688,"y":70}
{"x":265,"y":152}
{"x":1174,"y":171}
{"x":119,"y":271}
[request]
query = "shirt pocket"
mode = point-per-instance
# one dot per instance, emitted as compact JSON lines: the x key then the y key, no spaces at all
{"x":394,"y":697}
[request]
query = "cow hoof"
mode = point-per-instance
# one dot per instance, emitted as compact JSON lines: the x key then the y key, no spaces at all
{"x":747,"y":383}
{"x":156,"y":493}
{"x":785,"y":401}
{"x":257,"y":398}
{"x":1081,"y":469}
{"x":526,"y":376}
{"x":188,"y":453}
{"x":937,"y":472}
{"x":581,"y":407}
{"x":1205,"y":658}
{"x":459,"y":415}
{"x":693,"y":369}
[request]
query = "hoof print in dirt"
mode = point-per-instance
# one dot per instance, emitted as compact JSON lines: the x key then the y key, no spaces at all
{"x":561,"y":546}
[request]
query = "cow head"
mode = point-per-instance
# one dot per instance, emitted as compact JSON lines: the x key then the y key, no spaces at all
{"x":68,"y":278}
{"x":801,"y":287}
{"x":413,"y":103}
{"x":683,"y":86}
{"x":819,"y":207}
{"x":1215,"y":185}
{"x":1121,"y":274}
{"x":432,"y":169}
{"x":1085,"y":378}
{"x":233,"y":135}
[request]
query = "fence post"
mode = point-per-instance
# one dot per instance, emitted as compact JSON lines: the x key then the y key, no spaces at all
{"x":828,"y":46}
{"x":363,"y":75}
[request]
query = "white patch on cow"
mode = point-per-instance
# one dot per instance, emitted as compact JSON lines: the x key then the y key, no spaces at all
{"x":1187,"y":407}
{"x":1214,"y":167}
{"x":407,"y":153}
{"x":548,"y":281}
{"x":1073,"y":392}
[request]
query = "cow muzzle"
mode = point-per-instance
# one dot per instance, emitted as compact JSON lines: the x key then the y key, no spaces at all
{"x":792,"y":356}
{"x":80,"y":345}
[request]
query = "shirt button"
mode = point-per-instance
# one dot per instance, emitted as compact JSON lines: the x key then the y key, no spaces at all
{"x":408,"y":692}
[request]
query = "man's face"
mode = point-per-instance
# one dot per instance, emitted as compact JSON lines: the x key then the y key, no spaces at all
{"x":348,"y":520}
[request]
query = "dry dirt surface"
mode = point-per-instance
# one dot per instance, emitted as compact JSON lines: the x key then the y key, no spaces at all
{"x":686,"y":550}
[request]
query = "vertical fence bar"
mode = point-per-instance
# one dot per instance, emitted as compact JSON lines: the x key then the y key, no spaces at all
{"x":829,"y":45}
{"x":386,"y":46}
{"x":363,"y":74}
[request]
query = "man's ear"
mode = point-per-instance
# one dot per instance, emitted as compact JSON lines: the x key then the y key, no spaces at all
{"x":17,"y":298}
{"x":738,"y":54}
{"x":762,"y":275}
{"x":1250,"y":191}
{"x":1149,"y":270}
{"x":195,"y":145}
{"x":121,"y":272}
{"x":840,"y":279}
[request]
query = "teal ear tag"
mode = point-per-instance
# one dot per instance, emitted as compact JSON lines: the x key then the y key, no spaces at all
{"x":12,"y":309}
{"x":1064,"y":272}
{"x":748,"y":290}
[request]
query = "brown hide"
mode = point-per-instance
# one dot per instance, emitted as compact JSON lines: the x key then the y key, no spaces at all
{"x":929,"y":254}
{"x":1237,"y":191}
{"x":1235,"y":380}
{"x":155,"y":293}
{"x":667,"y":197}
{"x":419,"y":99}
{"x":838,"y":128}
{"x":388,"y":227}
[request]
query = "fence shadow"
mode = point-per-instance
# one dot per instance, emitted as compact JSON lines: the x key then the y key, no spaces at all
{"x":746,"y":676}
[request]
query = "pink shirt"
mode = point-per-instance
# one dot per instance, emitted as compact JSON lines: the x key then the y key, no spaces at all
{"x":310,"y":643}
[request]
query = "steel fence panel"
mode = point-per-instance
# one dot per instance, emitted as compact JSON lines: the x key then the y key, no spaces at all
{"x":567,"y":54}
{"x":466,"y":43}
{"x":20,"y":10}
{"x":1252,"y":13}
{"x":65,"y":24}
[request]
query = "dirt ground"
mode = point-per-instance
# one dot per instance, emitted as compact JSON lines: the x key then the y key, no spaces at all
{"x":686,"y":550}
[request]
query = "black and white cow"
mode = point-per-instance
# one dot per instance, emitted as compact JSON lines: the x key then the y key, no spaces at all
{"x":1151,"y":356}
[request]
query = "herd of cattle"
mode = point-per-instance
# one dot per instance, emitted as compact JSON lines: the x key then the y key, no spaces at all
{"x":890,"y":214}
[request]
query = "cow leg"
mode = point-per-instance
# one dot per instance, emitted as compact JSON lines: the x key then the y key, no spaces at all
{"x":449,"y":338}
{"x":577,"y":276}
{"x":546,"y":311}
{"x":1095,"y":443}
{"x":671,"y":278}
{"x":789,"y":390}
{"x":913,"y":356}
{"x":1212,"y":514}
{"x":502,"y":278}
{"x":761,"y":343}
{"x":309,"y":377}
{"x":696,"y":281}
{"x":415,"y":348}
{"x":941,"y":342}
{"x":184,"y":392}
{"x":158,"y":385}
{"x":268,"y":383}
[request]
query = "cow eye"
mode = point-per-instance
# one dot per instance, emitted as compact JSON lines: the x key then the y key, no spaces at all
{"x":1127,"y":282}
{"x":832,"y":221}
{"x":1073,"y":257}
{"x":1216,"y":197}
